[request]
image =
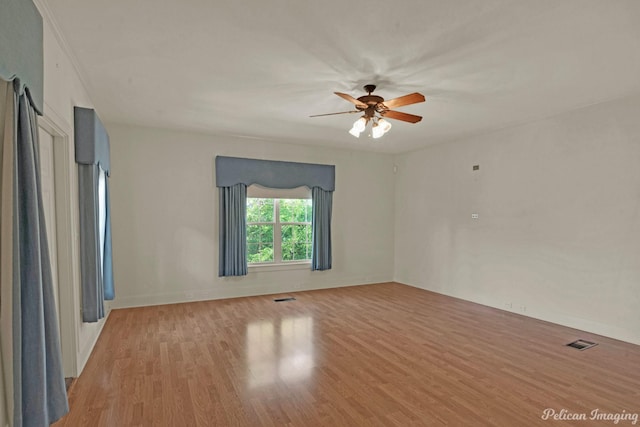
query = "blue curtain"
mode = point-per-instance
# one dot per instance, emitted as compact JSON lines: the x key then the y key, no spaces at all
{"x":96,"y":272}
{"x":40,"y":397}
{"x":321,"y":228}
{"x":232,"y":231}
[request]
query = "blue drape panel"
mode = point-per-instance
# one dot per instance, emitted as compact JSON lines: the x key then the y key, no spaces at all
{"x":321,"y":228}
{"x":7,"y":247}
{"x":232,"y":230}
{"x":40,"y":397}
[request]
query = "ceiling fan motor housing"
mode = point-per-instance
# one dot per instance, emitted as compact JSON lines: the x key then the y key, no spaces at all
{"x":373,"y":103}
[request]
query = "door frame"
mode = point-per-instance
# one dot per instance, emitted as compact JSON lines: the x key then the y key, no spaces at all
{"x":66,"y":248}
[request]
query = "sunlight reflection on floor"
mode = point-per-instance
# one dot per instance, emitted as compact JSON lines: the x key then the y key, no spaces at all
{"x":280,"y":350}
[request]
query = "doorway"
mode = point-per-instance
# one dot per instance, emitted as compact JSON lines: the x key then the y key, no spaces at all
{"x":57,"y":188}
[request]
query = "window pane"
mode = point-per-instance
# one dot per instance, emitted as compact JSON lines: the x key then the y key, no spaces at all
{"x":309,"y":212}
{"x":295,"y":210}
{"x":253,"y":210}
{"x":286,"y":210}
{"x":253,"y":233}
{"x":260,"y":234}
{"x":287,"y":233}
{"x":259,"y":243}
{"x":259,"y":210}
{"x":252,"y":252}
{"x":296,"y":243}
{"x":296,"y":252}
{"x":259,"y":252}
{"x":266,"y":233}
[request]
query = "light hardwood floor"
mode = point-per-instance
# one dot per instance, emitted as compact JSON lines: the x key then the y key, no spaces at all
{"x":375,"y":355}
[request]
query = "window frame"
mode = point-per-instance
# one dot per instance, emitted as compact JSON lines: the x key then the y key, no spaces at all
{"x":278,"y":262}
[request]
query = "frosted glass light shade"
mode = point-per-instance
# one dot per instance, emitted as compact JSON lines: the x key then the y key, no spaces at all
{"x":360,"y":124}
{"x":376,"y":131}
{"x":358,"y":127}
{"x":385,"y":125}
{"x":380,"y":128}
{"x":355,"y":132}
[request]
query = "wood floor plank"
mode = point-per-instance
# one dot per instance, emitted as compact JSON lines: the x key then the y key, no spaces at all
{"x":375,"y":355}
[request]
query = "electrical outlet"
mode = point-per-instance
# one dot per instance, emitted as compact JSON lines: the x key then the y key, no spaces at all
{"x":475,"y":216}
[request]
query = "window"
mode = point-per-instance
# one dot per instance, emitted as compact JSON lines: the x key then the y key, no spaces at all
{"x":275,"y":240}
{"x":278,"y":230}
{"x":102,"y":214}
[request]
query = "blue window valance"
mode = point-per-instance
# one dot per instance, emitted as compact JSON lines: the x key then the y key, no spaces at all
{"x":91,"y":139}
{"x":21,"y":52}
{"x":273,"y":174}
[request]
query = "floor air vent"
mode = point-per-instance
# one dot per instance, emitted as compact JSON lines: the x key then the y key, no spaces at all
{"x":284,"y":299}
{"x":581,"y":344}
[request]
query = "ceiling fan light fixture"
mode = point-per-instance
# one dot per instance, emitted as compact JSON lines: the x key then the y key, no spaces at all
{"x":379,"y":128}
{"x":358,"y":126}
{"x":385,"y":125}
{"x":376,"y":131}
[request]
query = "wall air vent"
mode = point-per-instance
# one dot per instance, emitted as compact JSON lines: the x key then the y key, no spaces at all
{"x":284,"y":299}
{"x":581,"y":344}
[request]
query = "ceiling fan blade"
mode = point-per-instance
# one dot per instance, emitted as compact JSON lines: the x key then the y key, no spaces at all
{"x":412,"y":98}
{"x":351,"y":99}
{"x":333,"y":114}
{"x":397,"y":115}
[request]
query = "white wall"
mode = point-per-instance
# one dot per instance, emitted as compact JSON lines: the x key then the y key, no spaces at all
{"x":64,"y":89}
{"x":165,"y":222}
{"x":558,"y":234}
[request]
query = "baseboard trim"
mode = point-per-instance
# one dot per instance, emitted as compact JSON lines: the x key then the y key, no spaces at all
{"x":85,"y":353}
{"x":609,"y":331}
{"x":228,"y":292}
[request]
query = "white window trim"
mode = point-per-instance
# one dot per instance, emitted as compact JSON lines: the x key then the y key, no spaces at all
{"x":290,"y":265}
{"x":278,"y":263}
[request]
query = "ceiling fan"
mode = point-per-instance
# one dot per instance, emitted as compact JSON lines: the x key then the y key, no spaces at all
{"x":371,"y":104}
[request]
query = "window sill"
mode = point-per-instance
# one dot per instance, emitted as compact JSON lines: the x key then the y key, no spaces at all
{"x":280,"y":267}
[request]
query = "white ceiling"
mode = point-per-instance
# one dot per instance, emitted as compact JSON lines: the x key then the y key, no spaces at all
{"x":259,"y":68}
